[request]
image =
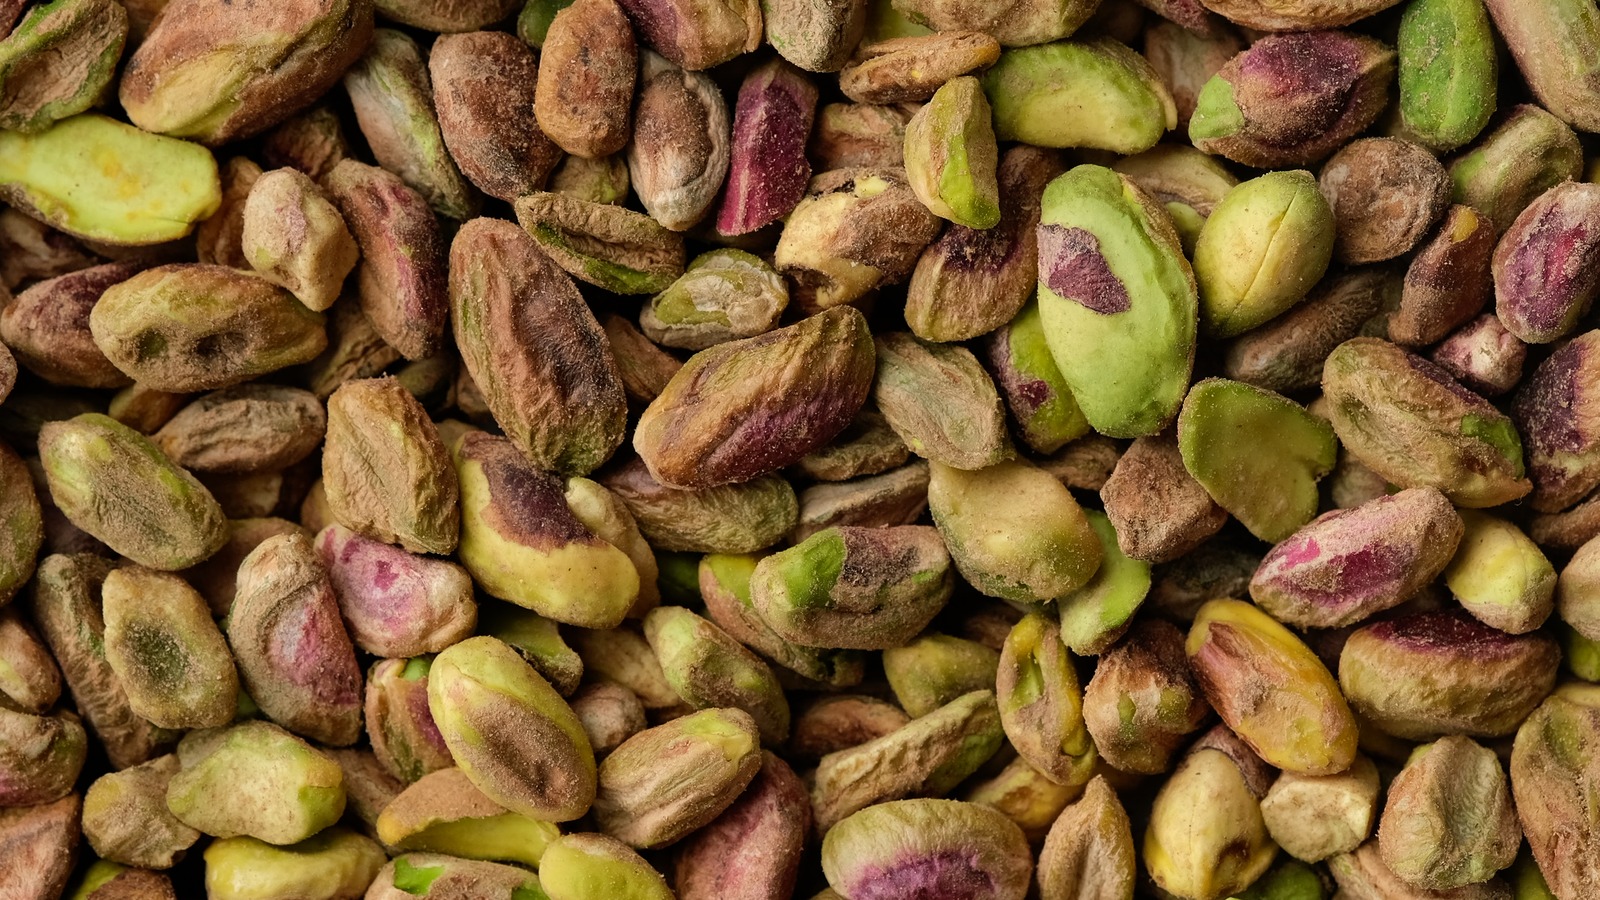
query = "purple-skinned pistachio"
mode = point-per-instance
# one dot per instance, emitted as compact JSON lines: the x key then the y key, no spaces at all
{"x":697,"y":34}
{"x":752,"y":851}
{"x":1043,"y":410}
{"x":587,"y":69}
{"x":1557,"y":408}
{"x":928,"y":848}
{"x":1545,"y":265}
{"x":1351,"y":563}
{"x":404,"y":737}
{"x":1386,"y":194}
{"x":1428,"y":674}
{"x":910,"y":69}
{"x":1483,"y":356}
{"x":46,"y":327}
{"x":1292,"y":99}
{"x":1449,"y":280}
{"x":396,"y":603}
{"x":769,"y":170}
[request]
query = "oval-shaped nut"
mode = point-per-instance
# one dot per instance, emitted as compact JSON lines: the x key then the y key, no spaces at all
{"x":610,"y":247}
{"x":43,"y":840}
{"x":1095,"y":615}
{"x":1313,"y":817}
{"x":336,"y":863}
{"x":709,"y":669}
{"x":1553,"y":773}
{"x":248,"y":428}
{"x":1185,"y":58}
{"x":29,"y":678}
{"x":1528,"y":153}
{"x":220,"y":75}
{"x":910,"y":68}
{"x":435,"y":875}
{"x":909,"y":848}
{"x":396,"y":603}
{"x":534,"y":349}
{"x":951,"y":156}
{"x":538,"y":639}
{"x":610,"y":713}
{"x":1159,"y":511}
{"x":1448,"y":281}
{"x":897,"y":497}
{"x":1484,"y":357}
{"x":1292,"y":99}
{"x":385,"y":470}
{"x":1089,"y":852}
{"x":1448,"y":72}
{"x":295,"y":657}
{"x":258,"y":780}
{"x":816,"y":35}
{"x":580,"y":866}
{"x":1553,"y":406}
{"x":584,"y":96}
{"x":401,"y":280}
{"x":937,"y":669}
{"x":849,"y":135}
{"x":126,"y":820}
{"x":940,"y":402}
{"x":1351,"y":563}
{"x":603,"y":179}
{"x":1385,"y":194}
{"x":1041,"y":706}
{"x":1271,"y":689}
{"x":192,"y":327}
{"x":678,"y":156}
{"x":1406,"y":419}
{"x":724,"y":295}
{"x":1500,"y":576}
{"x":405,"y":740}
{"x":167,"y":652}
{"x":1428,"y":674}
{"x":510,"y":732}
{"x":724,"y":583}
{"x":58,"y":61}
{"x":294,"y":237}
{"x":450,"y":17}
{"x":46,"y":327}
{"x":444,"y":813}
{"x":730,"y":518}
{"x":1095,"y":93}
{"x":115,"y":484}
{"x":1543,"y":265}
{"x":1448,"y":820}
{"x":836,"y":722}
{"x":753,"y":850}
{"x":1276,"y":15}
{"x":1550,"y":43}
{"x":1142,"y":702}
{"x":697,"y":34}
{"x":768,"y":171}
{"x":483,"y":92}
{"x":1206,"y":837}
{"x":40,"y":756}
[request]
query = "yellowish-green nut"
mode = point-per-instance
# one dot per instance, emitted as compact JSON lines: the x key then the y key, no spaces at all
{"x":1314,"y":817}
{"x":1288,"y":880}
{"x":709,"y":669}
{"x":58,"y":61}
{"x":1025,"y":796}
{"x":1448,"y":71}
{"x":1524,"y":156}
{"x":1269,"y":486}
{"x":21,"y":524}
{"x":404,"y":739}
{"x":616,"y":249}
{"x":167,"y":652}
{"x":448,"y":878}
{"x":1270,"y":689}
{"x":1014,"y":530}
{"x":294,"y":237}
{"x":1500,"y":575}
{"x":337,"y":864}
{"x":106,"y":880}
{"x":936,"y":669}
{"x":126,"y":820}
{"x":1578,"y":591}
{"x":940,"y":401}
{"x":670,"y":780}
{"x":1042,"y":407}
{"x":1041,"y":706}
{"x":156,"y":191}
{"x":193,"y":327}
{"x":594,"y":866}
{"x":951,"y":155}
{"x":1449,"y":821}
{"x":257,"y":780}
{"x":724,"y":295}
{"x":1142,"y":702}
{"x":1096,"y":93}
{"x":538,"y":639}
{"x":1206,"y":839}
{"x":510,"y":732}
{"x":1095,"y":615}
{"x":1261,"y":251}
{"x":854,"y":588}
{"x":1554,"y":770}
{"x":115,"y":484}
{"x":1118,"y":299}
{"x":30,"y":681}
{"x":443,"y":812}
{"x":928,"y":848}
{"x":1089,"y":853}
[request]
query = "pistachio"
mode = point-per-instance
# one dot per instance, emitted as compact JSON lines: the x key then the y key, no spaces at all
{"x":1095,"y":615}
{"x":1271,"y":15}
{"x":1448,"y":821}
{"x":258,"y":780}
{"x":910,"y":68}
{"x":679,"y":154}
{"x":1159,"y":511}
{"x":610,"y":714}
{"x":41,"y":842}
{"x":1142,"y":701}
{"x":1206,"y":838}
{"x":1552,"y":772}
{"x":583,"y":866}
{"x":643,"y":367}
{"x":768,"y":171}
{"x":624,"y":656}
{"x":40,"y":756}
{"x":483,"y":94}
{"x":21,"y":523}
{"x":34,"y":250}
{"x":1043,"y":408}
{"x":1578,"y":592}
{"x":951,"y":156}
{"x":105,"y":880}
{"x":753,"y":850}
{"x":816,"y":35}
{"x":1314,"y":817}
{"x":396,"y":603}
{"x":29,"y":678}
{"x":731,"y":518}
{"x":1385,"y":194}
{"x":1363,"y":874}
{"x":1483,"y":356}
{"x":936,"y":669}
{"x":47,"y":327}
{"x":724,"y":295}
{"x":1448,"y":281}
{"x":836,"y":722}
{"x":928,"y":847}
{"x":126,"y":820}
{"x":610,"y":247}
{"x":940,"y":402}
{"x":1041,"y":706}
{"x":248,"y":428}
{"x":1044,"y":96}
{"x":166,"y":651}
{"x":1500,"y":575}
{"x":1549,"y":42}
{"x":867,"y":446}
{"x":586,"y":77}
{"x":724,"y":582}
{"x":709,"y":669}
{"x":897,"y":497}
{"x":434,"y":875}
{"x":335,"y":864}
{"x":58,"y":61}
{"x":1089,"y":852}
{"x":405,"y":740}
{"x":294,"y":237}
{"x":312,"y":141}
{"x":1448,"y":72}
{"x":600,"y":180}
{"x":444,"y":813}
{"x":447,"y":18}
{"x":1185,"y":58}
{"x":698,"y":34}
{"x":851,"y":135}
{"x":538,"y":639}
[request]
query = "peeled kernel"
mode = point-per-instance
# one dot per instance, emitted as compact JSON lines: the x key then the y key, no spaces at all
{"x":1206,"y":839}
{"x":936,"y":669}
{"x":591,"y":866}
{"x":1095,"y":615}
{"x":1500,"y":575}
{"x":936,"y":848}
{"x":1448,"y":71}
{"x":1095,"y":93}
{"x":337,"y":864}
{"x":951,"y":155}
{"x":1314,"y":817}
{"x":1449,"y":821}
{"x":258,"y":780}
{"x":1041,"y":705}
{"x":443,"y":812}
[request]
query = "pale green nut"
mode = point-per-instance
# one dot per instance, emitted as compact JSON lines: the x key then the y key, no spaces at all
{"x":1095,"y":616}
{"x":434,"y":875}
{"x":1046,"y":414}
{"x":594,"y":866}
{"x":951,"y":155}
{"x":1261,"y":251}
{"x":59,"y":60}
{"x":1095,"y":94}
{"x":710,"y":669}
{"x":337,"y":864}
{"x":1041,"y":704}
{"x":1118,"y":299}
{"x":935,"y":669}
{"x":443,"y":812}
{"x":1528,"y":153}
{"x":170,"y":657}
{"x":724,"y":584}
{"x":1500,"y":575}
{"x":256,"y":780}
{"x":724,"y":295}
{"x":1449,"y":71}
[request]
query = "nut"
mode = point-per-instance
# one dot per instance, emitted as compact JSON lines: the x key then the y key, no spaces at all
{"x":1448,"y":281}
{"x":295,"y":238}
{"x":940,"y":402}
{"x":1206,"y":837}
{"x":936,"y":669}
{"x":950,"y":155}
{"x":1095,"y":93}
{"x":910,"y":68}
{"x":58,"y":62}
{"x":396,"y":603}
{"x":169,"y":656}
{"x":1314,"y":817}
{"x":335,"y":863}
{"x":612,"y":248}
{"x":243,"y":429}
{"x":1142,"y":702}
{"x":935,"y":847}
{"x":768,"y":171}
{"x":753,"y":850}
{"x":584,"y":95}
{"x":1448,"y":821}
{"x":258,"y":780}
{"x":724,"y":295}
{"x":1385,"y":194}
{"x":1528,"y":153}
{"x":1089,"y":852}
{"x":1448,"y":72}
{"x":709,"y":669}
{"x":1041,"y":706}
{"x":126,"y":820}
{"x":679,"y":154}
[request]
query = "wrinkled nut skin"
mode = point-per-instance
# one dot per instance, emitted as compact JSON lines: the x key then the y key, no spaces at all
{"x":610,"y":713}
{"x":816,"y":35}
{"x":1448,"y":820}
{"x":849,"y":135}
{"x":1553,"y":772}
{"x":610,"y":247}
{"x":40,"y":756}
{"x":194,"y":327}
{"x":1018,"y":23}
{"x":483,"y":92}
{"x":1486,"y":358}
{"x":126,"y":820}
{"x":587,"y":68}
{"x":679,"y":154}
{"x":30,"y":681}
{"x":696,"y":34}
{"x":1409,"y":421}
{"x":1543,"y":265}
{"x":294,"y":655}
{"x":117,"y":485}
{"x":768,"y":170}
{"x":1385,"y":194}
{"x":59,"y":61}
{"x":1554,"y":407}
{"x":897,"y":497}
{"x":1550,"y":43}
{"x":1448,"y":281}
{"x":951,"y":155}
{"x":386,"y":472}
{"x":1089,"y":852}
{"x":724,"y":583}
{"x":396,"y":603}
{"x":1528,"y":153}
{"x":1362,"y":874}
{"x":1159,"y":511}
{"x":248,"y":428}
{"x":294,"y":237}
{"x":1292,"y":99}
{"x":258,"y":780}
{"x":1271,"y":689}
{"x":1041,"y":705}
{"x":1314,"y":817}
{"x":218,"y":76}
{"x":46,"y":327}
{"x":510,"y":732}
{"x":1428,"y":674}
{"x":449,"y":16}
{"x":911,"y":68}
{"x":166,"y":651}
{"x":21,"y":523}
{"x":603,"y":179}
{"x":534,"y":349}
{"x":752,"y":851}
{"x":1449,"y":67}
{"x":709,"y":669}
{"x":41,"y":842}
{"x":732,"y":518}
{"x":933,"y":848}
{"x":219,"y":239}
{"x":1095,"y":93}
{"x":1142,"y":702}
{"x":643,"y":366}
{"x":940,"y":402}
{"x":835,"y":722}
{"x":1277,"y":15}
{"x":404,"y":737}
{"x":1351,"y":563}
{"x":449,"y":877}
{"x":1186,"y":58}
{"x":401,"y":279}
{"x":724,"y":295}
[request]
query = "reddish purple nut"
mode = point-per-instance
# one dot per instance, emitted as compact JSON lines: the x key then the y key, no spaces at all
{"x":396,"y":603}
{"x":769,"y":170}
{"x":1484,"y":356}
{"x":1547,"y":264}
{"x":752,"y":851}
{"x":1558,"y":410}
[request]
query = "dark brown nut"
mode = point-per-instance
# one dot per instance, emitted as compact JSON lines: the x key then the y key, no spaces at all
{"x":644,"y":367}
{"x":1019,"y":23}
{"x":1544,"y":265}
{"x":29,"y":679}
{"x":448,"y":17}
{"x":39,"y":844}
{"x":1428,"y":674}
{"x":126,"y":820}
{"x":392,"y":96}
{"x":396,"y":603}
{"x":405,"y":740}
{"x":610,"y":714}
{"x":219,"y":239}
{"x":294,"y":237}
{"x":696,"y":34}
{"x":192,"y":327}
{"x":59,"y":61}
{"x":1142,"y":703}
{"x":312,"y":142}
{"x":8,"y":372}
{"x":294,"y":656}
{"x":735,"y":411}
{"x":616,"y":249}
{"x":1555,"y":408}
{"x":401,"y":280}
{"x":1185,"y":58}
{"x":166,"y":651}
{"x":1286,"y":354}
{"x":1529,"y":153}
{"x":730,"y":518}
{"x":1386,"y":194}
{"x":1484,"y":356}
{"x":941,"y":402}
{"x":867,"y":446}
{"x":1567,"y":530}
{"x":752,"y":851}
{"x":1352,"y":563}
{"x":679,"y":153}
{"x":816,"y":35}
{"x":603,"y":179}
{"x":47,"y":327}
{"x":1447,"y":282}
{"x":220,"y":75}
{"x":215,"y":578}
{"x":1292,"y":99}
{"x":21,"y":523}
{"x":910,"y":69}
{"x":970,"y":282}
{"x":385,"y":470}
{"x":1274,"y":15}
{"x":853,"y":135}
{"x":534,"y":349}
{"x":768,"y":169}
{"x":584,"y":97}
{"x":40,"y":756}
{"x":897,"y":497}
{"x":249,"y":428}
{"x":355,"y":350}
{"x":1159,"y":511}
{"x":841,"y":721}
{"x":724,"y":583}
{"x":31,"y":250}
{"x":1448,"y":820}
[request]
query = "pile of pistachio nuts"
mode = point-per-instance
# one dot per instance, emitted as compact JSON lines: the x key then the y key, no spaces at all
{"x":832,"y":449}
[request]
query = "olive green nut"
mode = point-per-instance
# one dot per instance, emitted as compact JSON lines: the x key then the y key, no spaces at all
{"x":928,"y":847}
{"x":255,"y":780}
{"x":1043,"y":410}
{"x":1095,"y":615}
{"x":1550,"y":42}
{"x":1528,"y":153}
{"x":951,"y":155}
{"x":1314,"y":817}
{"x":337,"y":864}
{"x":936,"y":669}
{"x":1095,"y":94}
{"x":1089,"y":852}
{"x":612,"y":248}
{"x":295,"y":237}
{"x":443,"y":812}
{"x":1449,"y":821}
{"x":1500,"y":575}
{"x":709,"y":669}
{"x":1142,"y":702}
{"x":1448,"y":72}
{"x":593,"y":866}
{"x":58,"y":61}
{"x":538,"y":639}
{"x":166,"y":651}
{"x":118,"y":486}
{"x":729,"y":518}
{"x":1041,"y":705}
{"x":1553,"y":771}
{"x":1206,"y":838}
{"x":867,"y":446}
{"x":126,"y":820}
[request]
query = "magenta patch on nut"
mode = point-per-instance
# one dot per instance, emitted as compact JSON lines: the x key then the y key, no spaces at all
{"x":934,"y":876}
{"x":1071,"y":264}
{"x":768,"y":169}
